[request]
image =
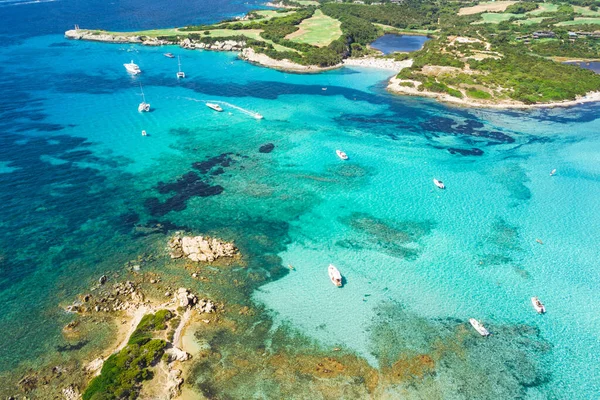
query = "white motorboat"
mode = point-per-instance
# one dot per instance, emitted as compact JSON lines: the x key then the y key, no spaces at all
{"x":537,"y":304}
{"x":334,"y":275}
{"x":214,"y":106}
{"x":258,"y":116}
{"x":144,"y":133}
{"x":341,"y":154}
{"x":479,"y":327}
{"x":553,"y":172}
{"x":439,"y":184}
{"x":180,"y":74}
{"x":169,"y":55}
{"x":132,"y":68}
{"x":143,"y":105}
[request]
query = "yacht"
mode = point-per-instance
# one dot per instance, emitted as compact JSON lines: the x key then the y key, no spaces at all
{"x":214,"y":106}
{"x":169,"y":55}
{"x":334,"y":275}
{"x":143,"y":105}
{"x":258,"y":116}
{"x":439,"y":184}
{"x":537,"y":304}
{"x":341,"y":154}
{"x":479,"y":327}
{"x":132,"y":68}
{"x":180,"y":74}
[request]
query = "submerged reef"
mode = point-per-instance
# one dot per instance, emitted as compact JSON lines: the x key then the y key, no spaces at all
{"x":396,"y":238}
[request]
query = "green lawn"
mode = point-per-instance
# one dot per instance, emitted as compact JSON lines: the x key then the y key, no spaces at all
{"x":580,"y":21}
{"x":586,"y":11}
{"x":495,"y":18}
{"x":531,"y":21}
{"x":308,"y":2}
{"x":544,"y":7}
{"x":318,"y":30}
{"x":266,"y":15}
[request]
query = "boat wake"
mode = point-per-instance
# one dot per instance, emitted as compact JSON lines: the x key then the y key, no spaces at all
{"x":250,"y":113}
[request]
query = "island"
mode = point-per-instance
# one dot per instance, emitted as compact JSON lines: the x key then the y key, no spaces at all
{"x":487,"y":54}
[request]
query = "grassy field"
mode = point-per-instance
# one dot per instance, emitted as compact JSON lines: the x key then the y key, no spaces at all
{"x":544,"y":7}
{"x":495,"y":18}
{"x":586,"y":11}
{"x":580,"y":21}
{"x":266,"y":15}
{"x":308,"y":2}
{"x":318,"y":30}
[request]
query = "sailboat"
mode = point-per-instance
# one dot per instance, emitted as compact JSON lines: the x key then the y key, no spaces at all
{"x":143,"y":105}
{"x":180,"y":74}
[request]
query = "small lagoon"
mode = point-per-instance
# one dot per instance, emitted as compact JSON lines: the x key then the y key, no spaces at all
{"x":592,"y":65}
{"x":391,"y":43}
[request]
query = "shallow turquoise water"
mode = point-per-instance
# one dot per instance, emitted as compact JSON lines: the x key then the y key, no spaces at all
{"x":76,"y":175}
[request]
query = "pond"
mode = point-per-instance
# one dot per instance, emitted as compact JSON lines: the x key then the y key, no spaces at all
{"x":592,"y":65}
{"x":390,"y":43}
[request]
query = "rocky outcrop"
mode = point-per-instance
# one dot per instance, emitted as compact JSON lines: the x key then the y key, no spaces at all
{"x":176,"y":354}
{"x":102,"y":36}
{"x":123,"y":296}
{"x":199,"y":248}
{"x":174,"y":382}
{"x":71,"y":393}
{"x":219,"y":45}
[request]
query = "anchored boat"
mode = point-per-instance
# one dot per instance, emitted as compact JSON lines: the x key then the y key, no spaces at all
{"x":169,"y":55}
{"x":538,"y":305}
{"x":439,"y":184}
{"x":143,"y":105}
{"x":334,"y":275}
{"x":341,"y":154}
{"x":180,"y":74}
{"x":132,"y":68}
{"x":479,"y":327}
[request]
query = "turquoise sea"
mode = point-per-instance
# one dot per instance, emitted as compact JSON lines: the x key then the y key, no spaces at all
{"x":76,"y":176}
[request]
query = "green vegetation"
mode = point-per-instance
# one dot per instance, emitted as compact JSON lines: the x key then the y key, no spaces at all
{"x":149,"y":324}
{"x":123,"y":373}
{"x":478,"y":94}
{"x":521,"y":7}
{"x":580,"y":21}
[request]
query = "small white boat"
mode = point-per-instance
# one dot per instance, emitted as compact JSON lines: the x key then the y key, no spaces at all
{"x":132,"y":68}
{"x":537,"y":304}
{"x":479,"y":327}
{"x":169,"y":55}
{"x":143,"y":107}
{"x":258,"y":116}
{"x":144,"y":133}
{"x":180,"y":74}
{"x":439,"y":184}
{"x":341,"y":154}
{"x":334,"y":275}
{"x":553,"y":172}
{"x":214,"y":106}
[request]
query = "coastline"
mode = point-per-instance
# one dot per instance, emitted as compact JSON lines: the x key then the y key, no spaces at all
{"x":395,"y":87}
{"x":394,"y":84}
{"x":253,"y":57}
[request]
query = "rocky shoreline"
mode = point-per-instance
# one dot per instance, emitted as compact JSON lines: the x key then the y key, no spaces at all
{"x":396,"y":86}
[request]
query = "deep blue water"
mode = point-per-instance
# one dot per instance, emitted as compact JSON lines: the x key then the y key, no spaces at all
{"x":405,"y":43}
{"x":593,"y":65}
{"x":76,"y":177}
